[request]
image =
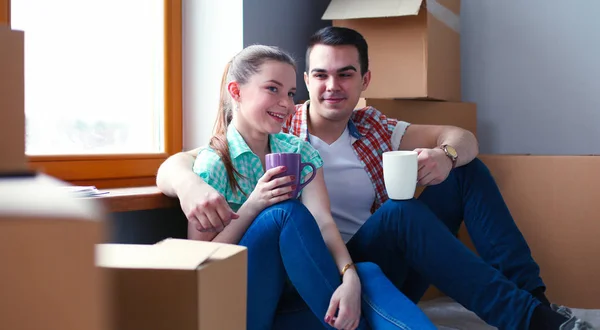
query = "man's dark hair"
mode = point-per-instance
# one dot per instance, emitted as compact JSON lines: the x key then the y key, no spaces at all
{"x":340,"y":36}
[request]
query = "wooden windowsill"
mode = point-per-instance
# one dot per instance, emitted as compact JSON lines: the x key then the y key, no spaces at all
{"x":135,"y":199}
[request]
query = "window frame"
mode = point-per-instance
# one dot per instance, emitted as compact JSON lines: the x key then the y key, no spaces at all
{"x":127,"y":170}
{"x":4,"y":11}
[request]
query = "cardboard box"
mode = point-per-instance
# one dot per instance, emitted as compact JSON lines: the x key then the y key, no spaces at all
{"x":47,"y":239}
{"x":555,"y":203}
{"x":176,"y":284}
{"x":12,"y":100}
{"x":460,"y":114}
{"x":414,"y":45}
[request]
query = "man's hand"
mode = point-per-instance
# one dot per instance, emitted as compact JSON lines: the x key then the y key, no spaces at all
{"x":434,"y":166}
{"x":206,"y":208}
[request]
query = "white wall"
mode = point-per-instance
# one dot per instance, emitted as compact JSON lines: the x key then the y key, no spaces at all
{"x":212,"y":34}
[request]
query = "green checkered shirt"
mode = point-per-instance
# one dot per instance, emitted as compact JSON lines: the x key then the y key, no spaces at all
{"x":210,"y":168}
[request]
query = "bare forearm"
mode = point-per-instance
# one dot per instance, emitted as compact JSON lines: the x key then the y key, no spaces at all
{"x":316,"y":199}
{"x":175,"y":173}
{"x":463,"y":141}
{"x":335,"y":244}
{"x":233,"y":233}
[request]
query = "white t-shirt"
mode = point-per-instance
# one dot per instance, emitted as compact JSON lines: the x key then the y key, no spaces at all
{"x":350,"y":189}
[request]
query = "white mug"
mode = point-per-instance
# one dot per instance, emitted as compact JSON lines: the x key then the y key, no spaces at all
{"x":400,"y":174}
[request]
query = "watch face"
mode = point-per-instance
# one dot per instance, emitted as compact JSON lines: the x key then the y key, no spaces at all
{"x":451,"y":151}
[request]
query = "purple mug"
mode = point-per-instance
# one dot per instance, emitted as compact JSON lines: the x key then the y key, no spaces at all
{"x":294,"y":167}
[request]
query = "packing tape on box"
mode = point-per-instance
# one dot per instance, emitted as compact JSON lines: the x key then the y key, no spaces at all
{"x":444,"y":15}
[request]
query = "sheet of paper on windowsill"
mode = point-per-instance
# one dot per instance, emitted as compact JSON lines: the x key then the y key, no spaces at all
{"x":84,"y":191}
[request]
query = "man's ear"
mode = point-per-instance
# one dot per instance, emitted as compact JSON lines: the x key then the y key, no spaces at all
{"x":234,"y":90}
{"x":306,"y":79}
{"x":366,"y":80}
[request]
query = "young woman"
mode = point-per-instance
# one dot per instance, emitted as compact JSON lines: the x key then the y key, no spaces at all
{"x":287,"y":239}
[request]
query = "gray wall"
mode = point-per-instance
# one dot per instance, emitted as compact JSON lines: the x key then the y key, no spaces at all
{"x":533,"y":68}
{"x":287,"y":24}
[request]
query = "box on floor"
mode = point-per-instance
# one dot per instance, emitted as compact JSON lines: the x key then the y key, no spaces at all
{"x":176,"y":284}
{"x":414,"y":45}
{"x":554,"y":201}
{"x":47,"y":238}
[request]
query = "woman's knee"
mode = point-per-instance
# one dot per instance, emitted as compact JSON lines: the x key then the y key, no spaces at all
{"x":286,"y":211}
{"x":268,"y":227}
{"x":285,"y":206}
{"x":269,"y":223}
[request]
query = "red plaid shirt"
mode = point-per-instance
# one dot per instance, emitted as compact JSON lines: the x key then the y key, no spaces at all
{"x":373,"y":133}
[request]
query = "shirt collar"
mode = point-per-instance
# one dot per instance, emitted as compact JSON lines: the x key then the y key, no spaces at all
{"x":357,"y":130}
{"x":238,"y":146}
{"x":303,"y":129}
{"x":235,"y":141}
{"x":354,"y":131}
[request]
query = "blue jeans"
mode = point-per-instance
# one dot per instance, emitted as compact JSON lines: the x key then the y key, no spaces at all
{"x":284,"y":242}
{"x":414,"y":243}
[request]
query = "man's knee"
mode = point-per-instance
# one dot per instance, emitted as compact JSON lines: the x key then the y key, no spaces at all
{"x":399,"y":213}
{"x":406,"y":207}
{"x":474,"y":167}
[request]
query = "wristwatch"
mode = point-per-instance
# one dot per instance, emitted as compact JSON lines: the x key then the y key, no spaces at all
{"x":451,"y":153}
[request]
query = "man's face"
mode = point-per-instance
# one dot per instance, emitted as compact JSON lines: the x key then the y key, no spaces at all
{"x":334,"y":81}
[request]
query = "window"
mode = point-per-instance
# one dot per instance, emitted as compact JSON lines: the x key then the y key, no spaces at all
{"x":102,"y":86}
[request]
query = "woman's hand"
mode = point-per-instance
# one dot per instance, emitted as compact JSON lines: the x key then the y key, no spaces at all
{"x":268,"y":191}
{"x":345,"y":300}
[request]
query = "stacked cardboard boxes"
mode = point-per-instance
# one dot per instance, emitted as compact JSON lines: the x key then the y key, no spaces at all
{"x":48,"y":278}
{"x":414,"y":53}
{"x":12,"y":100}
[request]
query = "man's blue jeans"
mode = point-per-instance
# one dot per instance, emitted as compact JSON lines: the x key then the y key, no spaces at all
{"x":414,"y":243}
{"x":284,"y":242}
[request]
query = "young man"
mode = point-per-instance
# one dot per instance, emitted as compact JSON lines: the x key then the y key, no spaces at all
{"x":403,"y":237}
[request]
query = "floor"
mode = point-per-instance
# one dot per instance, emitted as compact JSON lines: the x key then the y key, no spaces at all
{"x":449,"y":315}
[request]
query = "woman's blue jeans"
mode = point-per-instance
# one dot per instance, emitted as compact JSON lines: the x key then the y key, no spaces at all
{"x":284,"y":243}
